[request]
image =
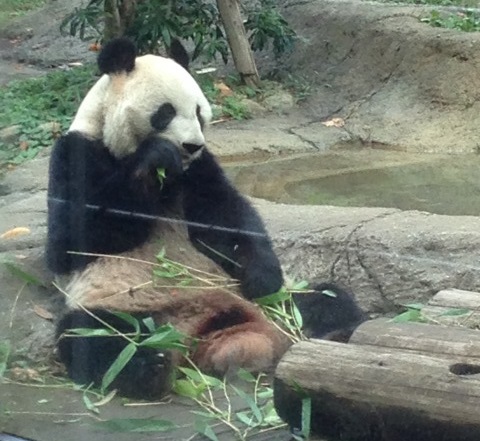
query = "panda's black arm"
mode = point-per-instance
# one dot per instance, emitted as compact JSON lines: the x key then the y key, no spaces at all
{"x":213,"y":205}
{"x":88,"y":187}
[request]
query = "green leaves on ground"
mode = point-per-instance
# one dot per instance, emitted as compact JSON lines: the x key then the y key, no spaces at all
{"x":29,"y":104}
{"x":5,"y":349}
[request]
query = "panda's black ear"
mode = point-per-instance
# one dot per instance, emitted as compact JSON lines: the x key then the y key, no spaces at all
{"x":177,"y":52}
{"x":117,"y":56}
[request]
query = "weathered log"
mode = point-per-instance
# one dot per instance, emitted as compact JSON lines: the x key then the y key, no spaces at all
{"x":444,"y":305}
{"x":367,"y":393}
{"x":420,"y":337}
{"x":456,"y":298}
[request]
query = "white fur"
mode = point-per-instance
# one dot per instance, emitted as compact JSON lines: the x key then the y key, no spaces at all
{"x":118,"y":107}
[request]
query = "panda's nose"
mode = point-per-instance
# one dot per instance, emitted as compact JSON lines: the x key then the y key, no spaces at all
{"x":191,"y":148}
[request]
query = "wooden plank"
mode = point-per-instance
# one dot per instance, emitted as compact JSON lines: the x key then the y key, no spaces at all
{"x":367,"y":393}
{"x":456,"y":298}
{"x":439,"y":308}
{"x":442,"y":315}
{"x":419,"y":337}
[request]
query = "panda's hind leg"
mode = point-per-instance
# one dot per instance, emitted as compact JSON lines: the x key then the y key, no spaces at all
{"x":239,"y":337}
{"x":330,"y":312}
{"x":148,"y":374}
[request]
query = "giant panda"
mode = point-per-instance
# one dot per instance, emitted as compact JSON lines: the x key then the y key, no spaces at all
{"x":110,"y":215}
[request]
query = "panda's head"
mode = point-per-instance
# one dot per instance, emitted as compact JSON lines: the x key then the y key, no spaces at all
{"x":140,"y":96}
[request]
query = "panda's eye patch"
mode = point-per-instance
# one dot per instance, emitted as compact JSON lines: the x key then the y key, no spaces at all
{"x":163,"y":117}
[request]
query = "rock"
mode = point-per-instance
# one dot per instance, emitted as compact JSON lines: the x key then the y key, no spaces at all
{"x":387,"y":257}
{"x":51,"y":126}
{"x":10,"y":135}
{"x":395,"y":80}
{"x":254,"y":109}
{"x":281,"y":102}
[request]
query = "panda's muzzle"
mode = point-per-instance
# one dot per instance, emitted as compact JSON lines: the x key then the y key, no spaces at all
{"x":190,"y":152}
{"x":191,"y":148}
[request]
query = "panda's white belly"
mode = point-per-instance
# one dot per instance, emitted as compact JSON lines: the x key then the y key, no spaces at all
{"x":127,"y":282}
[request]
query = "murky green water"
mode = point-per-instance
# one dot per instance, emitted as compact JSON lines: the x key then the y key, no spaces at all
{"x":443,"y":184}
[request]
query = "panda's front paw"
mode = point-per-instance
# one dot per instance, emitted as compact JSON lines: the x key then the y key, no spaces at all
{"x":261,"y":279}
{"x":157,"y":157}
{"x":149,"y":375}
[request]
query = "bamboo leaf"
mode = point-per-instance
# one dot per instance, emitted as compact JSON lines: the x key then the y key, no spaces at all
{"x":91,"y":332}
{"x":245,"y":417}
{"x":201,"y":378}
{"x":412,"y":315}
{"x":274,"y":298}
{"x":270,"y":415}
{"x":246,"y":376}
{"x":188,"y":389}
{"x":300,"y":285}
{"x":5,"y":349}
{"x":329,"y":293}
{"x":150,"y":324}
{"x":306,"y":416}
{"x":265,"y":394}
{"x":165,"y":337}
{"x":203,"y":414}
{"x":130,"y":319}
{"x":417,"y":306}
{"x":88,"y":404}
{"x":121,"y":361}
{"x":161,"y":254}
{"x":204,"y":429}
{"x":22,"y":275}
{"x":250,"y":402}
{"x":296,"y":315}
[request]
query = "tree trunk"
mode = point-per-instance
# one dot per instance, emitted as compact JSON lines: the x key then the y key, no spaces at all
{"x":112,"y":20}
{"x":118,"y":16}
{"x":238,"y":42}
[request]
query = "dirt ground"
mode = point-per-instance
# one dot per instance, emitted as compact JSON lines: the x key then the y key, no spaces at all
{"x":396,"y":82}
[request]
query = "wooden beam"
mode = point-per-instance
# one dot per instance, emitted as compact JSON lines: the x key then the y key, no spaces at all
{"x":367,"y":393}
{"x":420,"y":337}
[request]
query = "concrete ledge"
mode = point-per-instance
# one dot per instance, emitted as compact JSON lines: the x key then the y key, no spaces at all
{"x":387,"y":257}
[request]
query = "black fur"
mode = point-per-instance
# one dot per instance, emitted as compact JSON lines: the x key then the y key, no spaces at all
{"x":177,"y":52}
{"x":83,"y":173}
{"x":211,"y":200}
{"x":147,"y":375}
{"x":117,"y":56}
{"x":200,"y":118}
{"x":86,"y":180}
{"x":101,"y":204}
{"x":163,"y":117}
{"x":324,"y":316}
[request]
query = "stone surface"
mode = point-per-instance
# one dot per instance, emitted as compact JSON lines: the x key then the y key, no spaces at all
{"x":10,"y":134}
{"x":280,"y":102}
{"x":387,"y":257}
{"x":393,"y":79}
